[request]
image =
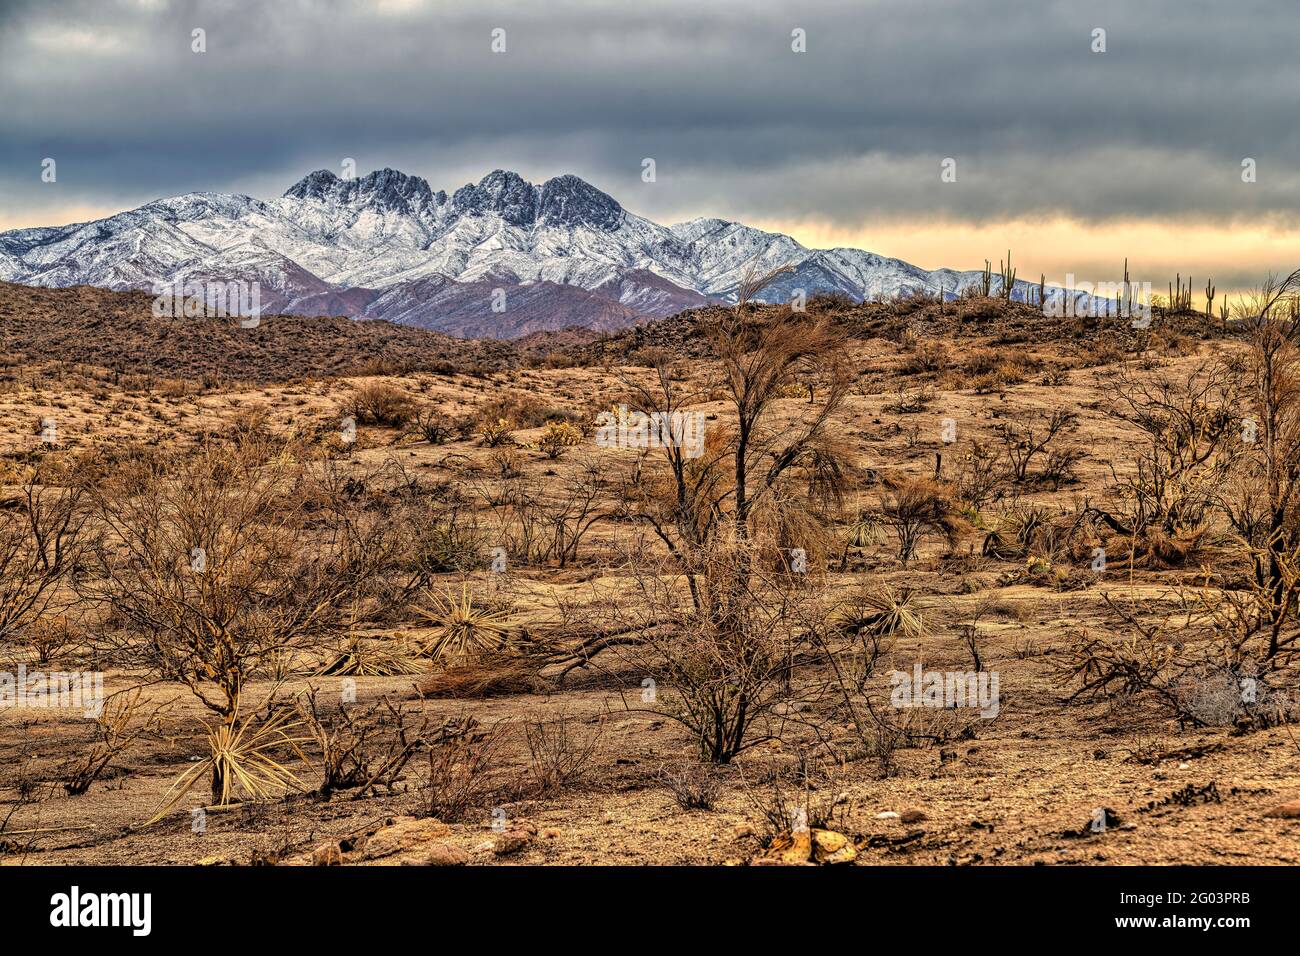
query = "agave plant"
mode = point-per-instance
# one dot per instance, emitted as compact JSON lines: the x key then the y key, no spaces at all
{"x":461,"y":629}
{"x":240,"y":752}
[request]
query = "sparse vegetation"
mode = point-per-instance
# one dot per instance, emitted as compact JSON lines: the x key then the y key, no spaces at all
{"x":474,"y":612}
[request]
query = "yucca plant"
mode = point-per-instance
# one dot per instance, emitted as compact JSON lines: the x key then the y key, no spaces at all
{"x":240,"y":752}
{"x":881,"y":613}
{"x":360,"y":659}
{"x":862,"y":533}
{"x":461,"y":629}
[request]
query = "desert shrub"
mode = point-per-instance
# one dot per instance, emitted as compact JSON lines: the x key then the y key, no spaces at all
{"x":358,"y":657}
{"x":1202,"y":674}
{"x":122,"y":720}
{"x":805,"y":797}
{"x":1035,"y":532}
{"x":52,"y":636}
{"x":41,"y":541}
{"x":461,"y":771}
{"x":559,"y":751}
{"x":915,"y":508}
{"x":379,"y":403}
{"x":206,"y":573}
{"x":1023,"y":442}
{"x":881,"y":612}
{"x":973,"y":306}
{"x":549,"y":360}
{"x":721,"y":677}
{"x":521,"y":410}
{"x":445,"y":541}
{"x":430,"y":425}
{"x":1189,"y":445}
{"x":909,"y":403}
{"x":506,"y":462}
{"x":366,"y":749}
{"x":863,"y":531}
{"x":715,"y":627}
{"x":693,"y":786}
{"x":978,"y":481}
{"x":926,"y":357}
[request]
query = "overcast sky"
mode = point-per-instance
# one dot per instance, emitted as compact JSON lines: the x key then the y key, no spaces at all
{"x":1072,"y":157}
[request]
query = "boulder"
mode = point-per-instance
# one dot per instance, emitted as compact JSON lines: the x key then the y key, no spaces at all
{"x":403,"y":834}
{"x":1285,"y":811}
{"x":327,"y":854}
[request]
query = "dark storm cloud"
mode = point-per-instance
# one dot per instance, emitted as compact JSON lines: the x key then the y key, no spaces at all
{"x":855,"y":128}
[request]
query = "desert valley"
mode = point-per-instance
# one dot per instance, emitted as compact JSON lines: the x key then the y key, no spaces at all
{"x":937,"y":580}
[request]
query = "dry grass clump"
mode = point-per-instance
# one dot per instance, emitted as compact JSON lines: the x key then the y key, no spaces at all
{"x":360,"y":657}
{"x":488,"y":675}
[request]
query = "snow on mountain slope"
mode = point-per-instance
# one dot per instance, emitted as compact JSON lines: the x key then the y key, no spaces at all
{"x":387,"y":245}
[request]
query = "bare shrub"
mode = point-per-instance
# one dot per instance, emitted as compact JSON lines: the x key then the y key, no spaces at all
{"x":461,"y":769}
{"x":124,"y":718}
{"x":366,"y":749}
{"x":1025,"y":441}
{"x":430,"y":425}
{"x":915,"y":508}
{"x":1189,"y":432}
{"x":693,"y":786}
{"x":52,"y":636}
{"x":804,"y":797}
{"x":208,"y":578}
{"x":206,"y":565}
{"x":559,"y":751}
{"x":41,"y":542}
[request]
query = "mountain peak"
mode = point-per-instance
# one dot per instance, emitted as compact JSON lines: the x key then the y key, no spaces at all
{"x":384,"y":188}
{"x":315,"y":185}
{"x":570,"y":201}
{"x":507,"y":194}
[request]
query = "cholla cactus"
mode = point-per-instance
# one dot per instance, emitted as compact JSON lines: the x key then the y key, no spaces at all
{"x":558,"y":437}
{"x":495,"y":434}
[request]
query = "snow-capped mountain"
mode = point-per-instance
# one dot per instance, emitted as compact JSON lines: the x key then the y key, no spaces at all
{"x":501,"y":258}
